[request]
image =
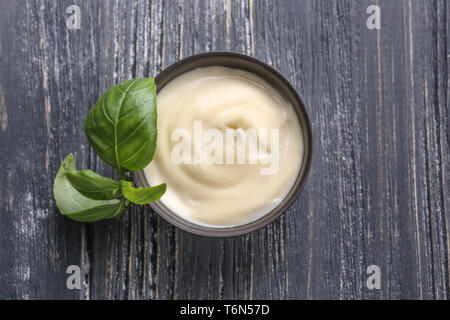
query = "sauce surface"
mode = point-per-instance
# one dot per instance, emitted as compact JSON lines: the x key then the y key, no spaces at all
{"x":251,"y":116}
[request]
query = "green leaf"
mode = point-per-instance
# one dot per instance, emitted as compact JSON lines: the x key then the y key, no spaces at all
{"x":77,"y":207}
{"x":142,"y":195}
{"x":93,"y":185}
{"x":106,"y":211}
{"x":121,"y":126}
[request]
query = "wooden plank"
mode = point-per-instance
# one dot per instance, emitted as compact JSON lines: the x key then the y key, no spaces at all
{"x":42,"y":91}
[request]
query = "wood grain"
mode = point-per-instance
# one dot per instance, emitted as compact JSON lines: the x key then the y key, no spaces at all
{"x":379,"y":189}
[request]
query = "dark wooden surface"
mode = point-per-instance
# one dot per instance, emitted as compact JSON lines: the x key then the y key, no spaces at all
{"x":379,"y":189}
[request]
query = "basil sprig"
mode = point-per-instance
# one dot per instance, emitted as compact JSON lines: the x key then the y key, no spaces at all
{"x":93,"y":185}
{"x":121,"y":128}
{"x":142,"y":195}
{"x":75,"y":205}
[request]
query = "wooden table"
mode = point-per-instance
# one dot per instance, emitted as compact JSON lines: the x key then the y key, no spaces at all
{"x":379,"y":189}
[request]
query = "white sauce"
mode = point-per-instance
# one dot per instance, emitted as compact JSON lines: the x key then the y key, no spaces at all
{"x":224,"y":195}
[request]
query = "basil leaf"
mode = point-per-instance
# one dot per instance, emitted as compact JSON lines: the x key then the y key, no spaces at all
{"x":93,"y":185}
{"x":77,"y":207}
{"x":142,"y":195}
{"x":121,"y":126}
{"x":105,"y":211}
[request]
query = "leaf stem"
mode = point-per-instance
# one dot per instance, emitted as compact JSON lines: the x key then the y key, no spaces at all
{"x":123,"y":176}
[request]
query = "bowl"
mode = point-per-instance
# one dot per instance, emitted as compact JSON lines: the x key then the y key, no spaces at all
{"x":279,"y":82}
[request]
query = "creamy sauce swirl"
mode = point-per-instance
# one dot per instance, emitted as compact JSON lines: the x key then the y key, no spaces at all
{"x":221,"y":194}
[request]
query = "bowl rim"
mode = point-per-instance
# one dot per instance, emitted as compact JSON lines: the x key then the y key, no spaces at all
{"x":293,"y":194}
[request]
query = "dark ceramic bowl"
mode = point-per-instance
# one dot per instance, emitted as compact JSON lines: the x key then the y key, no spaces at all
{"x":279,"y":82}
